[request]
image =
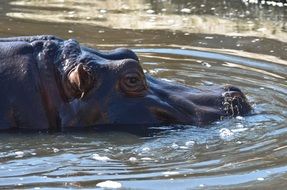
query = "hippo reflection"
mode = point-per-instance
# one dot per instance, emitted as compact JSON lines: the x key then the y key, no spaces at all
{"x":50,"y":83}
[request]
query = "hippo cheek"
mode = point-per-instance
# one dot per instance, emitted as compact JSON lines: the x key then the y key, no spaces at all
{"x":83,"y":114}
{"x":135,"y":114}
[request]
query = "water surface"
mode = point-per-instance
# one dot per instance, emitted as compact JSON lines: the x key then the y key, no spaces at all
{"x":198,"y":43}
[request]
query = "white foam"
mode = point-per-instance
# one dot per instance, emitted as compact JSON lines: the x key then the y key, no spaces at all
{"x":100,"y":158}
{"x":109,"y":184}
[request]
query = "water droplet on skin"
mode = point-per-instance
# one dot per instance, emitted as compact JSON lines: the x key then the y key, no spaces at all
{"x":109,"y":184}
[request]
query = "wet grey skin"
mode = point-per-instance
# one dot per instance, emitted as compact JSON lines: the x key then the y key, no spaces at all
{"x":50,"y":83}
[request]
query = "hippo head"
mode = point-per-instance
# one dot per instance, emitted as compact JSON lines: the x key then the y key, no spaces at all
{"x":110,"y":88}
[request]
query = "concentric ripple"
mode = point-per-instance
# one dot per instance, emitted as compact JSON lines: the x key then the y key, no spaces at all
{"x":242,"y":151}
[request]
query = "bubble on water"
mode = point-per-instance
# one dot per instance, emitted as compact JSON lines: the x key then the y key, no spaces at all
{"x":238,"y":142}
{"x":189,"y":143}
{"x":150,"y":11}
{"x":55,"y":150}
{"x":239,"y":117}
{"x":206,"y":64}
{"x":146,"y":149}
{"x":208,"y":83}
{"x":185,"y":10}
{"x":255,"y":40}
{"x":209,"y":37}
{"x":169,"y":173}
{"x":146,"y":159}
{"x":260,"y":179}
{"x":100,"y":158}
{"x":70,"y":31}
{"x":239,"y":130}
{"x":103,"y":11}
{"x":132,"y":159}
{"x":19,"y":154}
{"x":261,"y":29}
{"x":174,"y":145}
{"x":226,"y":134}
{"x":109,"y":184}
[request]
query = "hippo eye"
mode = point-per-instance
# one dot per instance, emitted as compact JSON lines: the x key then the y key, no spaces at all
{"x":133,"y":84}
{"x":132,"y":80}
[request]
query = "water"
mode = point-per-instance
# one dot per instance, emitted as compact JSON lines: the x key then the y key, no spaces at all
{"x":198,"y":43}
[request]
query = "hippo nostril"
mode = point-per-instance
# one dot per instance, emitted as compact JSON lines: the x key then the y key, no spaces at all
{"x":235,"y":103}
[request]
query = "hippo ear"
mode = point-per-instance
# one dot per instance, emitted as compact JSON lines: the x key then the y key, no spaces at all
{"x":81,"y":80}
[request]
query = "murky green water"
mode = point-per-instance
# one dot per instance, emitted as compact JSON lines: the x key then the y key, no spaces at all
{"x":201,"y":42}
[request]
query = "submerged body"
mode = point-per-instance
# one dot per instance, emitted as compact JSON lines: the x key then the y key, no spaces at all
{"x":50,"y":83}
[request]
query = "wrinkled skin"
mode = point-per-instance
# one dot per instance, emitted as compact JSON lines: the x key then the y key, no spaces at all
{"x":49,"y":83}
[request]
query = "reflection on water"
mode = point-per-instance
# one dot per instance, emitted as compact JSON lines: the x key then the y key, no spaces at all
{"x":232,"y":17}
{"x":204,"y":42}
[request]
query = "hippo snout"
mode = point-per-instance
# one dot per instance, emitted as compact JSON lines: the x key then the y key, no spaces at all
{"x":234,"y":101}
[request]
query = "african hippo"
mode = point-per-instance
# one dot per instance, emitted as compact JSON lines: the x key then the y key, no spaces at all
{"x":50,"y":83}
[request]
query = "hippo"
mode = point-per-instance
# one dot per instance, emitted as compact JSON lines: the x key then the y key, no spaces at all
{"x":51,"y":83}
